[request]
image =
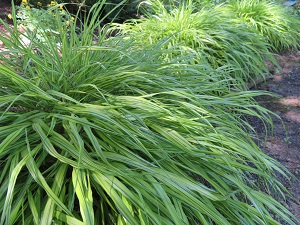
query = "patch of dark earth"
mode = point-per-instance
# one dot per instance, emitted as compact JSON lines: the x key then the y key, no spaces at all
{"x":283,"y":144}
{"x":5,"y":9}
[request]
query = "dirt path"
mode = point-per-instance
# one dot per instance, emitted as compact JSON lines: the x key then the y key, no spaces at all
{"x":284,"y":144}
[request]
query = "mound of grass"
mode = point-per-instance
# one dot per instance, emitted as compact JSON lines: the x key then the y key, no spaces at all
{"x":271,"y":20}
{"x":214,"y":35}
{"x":96,"y":133}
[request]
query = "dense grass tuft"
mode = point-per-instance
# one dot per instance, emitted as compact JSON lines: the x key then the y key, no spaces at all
{"x":280,"y":28}
{"x":102,"y":131}
{"x":214,"y":35}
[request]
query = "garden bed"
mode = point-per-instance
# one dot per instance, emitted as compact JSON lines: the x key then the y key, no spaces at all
{"x":284,"y":144}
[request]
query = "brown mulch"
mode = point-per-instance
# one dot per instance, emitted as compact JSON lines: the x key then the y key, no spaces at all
{"x":5,"y":9}
{"x":284,"y":144}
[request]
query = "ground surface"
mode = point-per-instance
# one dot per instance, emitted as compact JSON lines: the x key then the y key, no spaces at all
{"x":284,"y":144}
{"x":5,"y":9}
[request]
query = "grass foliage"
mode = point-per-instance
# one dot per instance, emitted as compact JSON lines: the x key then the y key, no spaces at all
{"x":280,"y":28}
{"x":102,"y":131}
{"x":214,"y":35}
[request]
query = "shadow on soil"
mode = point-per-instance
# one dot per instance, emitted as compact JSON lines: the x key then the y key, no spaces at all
{"x":284,"y":143}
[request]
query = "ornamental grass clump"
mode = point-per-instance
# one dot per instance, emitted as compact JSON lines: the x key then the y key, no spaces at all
{"x":272,"y":20}
{"x":92,"y":132}
{"x":213,"y":34}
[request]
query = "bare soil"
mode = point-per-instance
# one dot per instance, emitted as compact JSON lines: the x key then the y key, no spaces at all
{"x":284,"y":144}
{"x":5,"y":9}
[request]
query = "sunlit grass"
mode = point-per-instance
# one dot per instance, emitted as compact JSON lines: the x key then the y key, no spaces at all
{"x":271,"y":19}
{"x":214,"y":35}
{"x":101,"y":131}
